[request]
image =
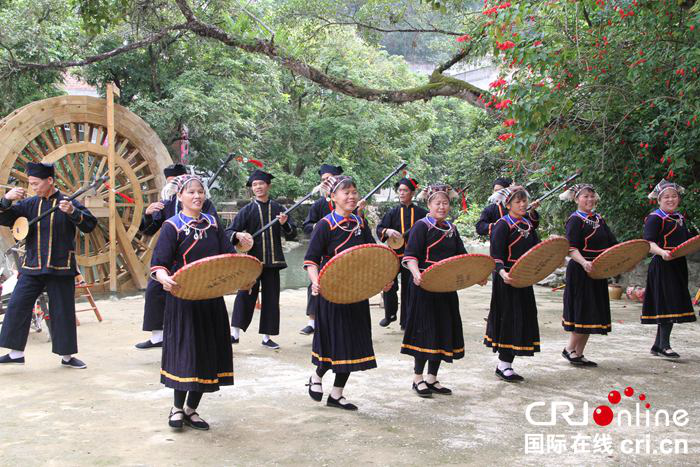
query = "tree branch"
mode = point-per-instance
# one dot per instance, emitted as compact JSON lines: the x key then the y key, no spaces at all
{"x":438,"y":85}
{"x":99,"y":57}
{"x":386,"y":30}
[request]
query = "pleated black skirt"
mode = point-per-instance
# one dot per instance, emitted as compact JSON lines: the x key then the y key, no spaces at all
{"x":433,"y":325}
{"x":197,"y":352}
{"x":666,"y":298}
{"x":586,"y":302}
{"x":343,"y":337}
{"x":512,"y":322}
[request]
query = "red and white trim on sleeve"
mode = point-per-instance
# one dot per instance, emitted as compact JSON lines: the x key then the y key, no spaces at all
{"x":156,"y":268}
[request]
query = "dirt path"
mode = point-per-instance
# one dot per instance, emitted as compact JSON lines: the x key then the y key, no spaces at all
{"x":115,"y":412}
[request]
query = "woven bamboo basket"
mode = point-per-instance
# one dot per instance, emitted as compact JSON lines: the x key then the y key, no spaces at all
{"x":619,"y":258}
{"x":457,"y":272}
{"x":216,"y":276}
{"x":539,"y":262}
{"x":358,"y":273}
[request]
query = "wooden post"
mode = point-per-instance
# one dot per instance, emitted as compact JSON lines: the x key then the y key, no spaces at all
{"x":111,"y":91}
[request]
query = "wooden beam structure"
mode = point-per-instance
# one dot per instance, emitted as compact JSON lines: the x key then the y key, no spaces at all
{"x":111,"y":196}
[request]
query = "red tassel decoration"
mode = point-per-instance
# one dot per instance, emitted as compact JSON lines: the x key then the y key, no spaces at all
{"x":255,"y":162}
{"x":126,"y":198}
{"x":464,"y":203}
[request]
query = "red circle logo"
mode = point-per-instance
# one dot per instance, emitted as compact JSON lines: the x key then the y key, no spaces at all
{"x":614,"y":397}
{"x":603,"y":415}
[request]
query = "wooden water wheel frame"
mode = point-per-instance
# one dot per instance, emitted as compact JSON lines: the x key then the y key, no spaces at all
{"x":71,"y":132}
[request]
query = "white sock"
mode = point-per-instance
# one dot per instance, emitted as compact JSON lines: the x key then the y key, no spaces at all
{"x":66,"y":358}
{"x":156,"y":337}
{"x":266,"y":337}
{"x":503,"y":365}
{"x":15,"y":354}
{"x":235,"y":332}
{"x":312,"y":323}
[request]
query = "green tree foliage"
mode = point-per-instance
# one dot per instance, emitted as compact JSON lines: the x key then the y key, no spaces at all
{"x":33,"y":31}
{"x":606,"y":87}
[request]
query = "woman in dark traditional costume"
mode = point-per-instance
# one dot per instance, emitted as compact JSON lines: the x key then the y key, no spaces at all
{"x":197,"y":355}
{"x":433,"y":323}
{"x":343,"y":337}
{"x":586,"y":300}
{"x":512,"y":327}
{"x":666,"y":298}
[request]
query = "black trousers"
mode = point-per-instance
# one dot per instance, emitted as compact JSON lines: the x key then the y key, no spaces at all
{"x":244,"y":305}
{"x":154,"y":307}
{"x":61,"y":290}
{"x":391,"y":298}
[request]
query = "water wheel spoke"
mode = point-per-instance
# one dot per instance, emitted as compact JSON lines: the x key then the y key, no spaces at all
{"x":91,"y":169}
{"x":59,"y":133}
{"x":73,"y":133}
{"x":140,"y":166}
{"x":21,"y":176}
{"x":87,"y":133}
{"x":121,"y":149}
{"x":75,"y":173}
{"x":131,"y":156}
{"x":48,"y":141}
{"x":38,"y":150}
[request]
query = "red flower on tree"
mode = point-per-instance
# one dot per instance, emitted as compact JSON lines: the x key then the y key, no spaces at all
{"x":505,"y":45}
{"x":503,"y":104}
{"x":506,"y":136}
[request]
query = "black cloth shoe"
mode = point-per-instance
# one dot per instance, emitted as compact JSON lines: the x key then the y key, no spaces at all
{"x":148,"y":345}
{"x":176,"y":424}
{"x":512,"y":378}
{"x":197,"y":425}
{"x":443,"y":390}
{"x":315,"y":395}
{"x":11,"y":361}
{"x":422,"y":392}
{"x":585,"y":362}
{"x":234,"y":340}
{"x":387,"y":321}
{"x":667,"y":353}
{"x":337,"y":404}
{"x":270,"y":344}
{"x":573,"y":360}
{"x":308,"y":330}
{"x":73,"y":363}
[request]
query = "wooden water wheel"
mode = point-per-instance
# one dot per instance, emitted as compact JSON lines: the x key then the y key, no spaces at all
{"x":71,"y":132}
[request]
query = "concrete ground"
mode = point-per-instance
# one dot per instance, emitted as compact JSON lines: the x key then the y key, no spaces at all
{"x":115,"y":412}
